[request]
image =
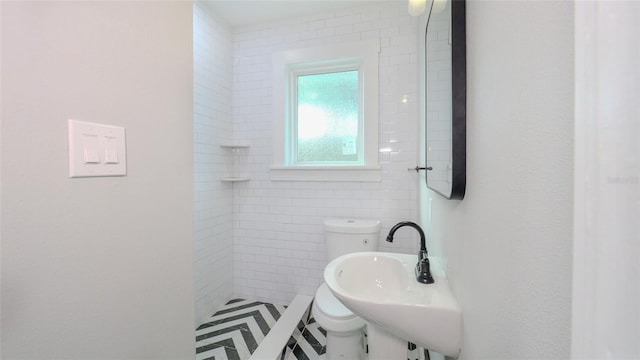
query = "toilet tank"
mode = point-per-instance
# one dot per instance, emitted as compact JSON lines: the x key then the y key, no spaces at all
{"x":345,"y":236}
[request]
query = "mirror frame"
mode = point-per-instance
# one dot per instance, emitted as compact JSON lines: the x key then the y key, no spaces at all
{"x":458,"y":103}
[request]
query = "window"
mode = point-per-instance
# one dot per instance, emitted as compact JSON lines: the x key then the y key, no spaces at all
{"x":326,"y":113}
{"x":326,"y":119}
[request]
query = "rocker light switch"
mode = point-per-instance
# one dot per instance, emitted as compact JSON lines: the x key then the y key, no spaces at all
{"x":90,"y":149}
{"x":110,"y":150}
{"x":96,"y":150}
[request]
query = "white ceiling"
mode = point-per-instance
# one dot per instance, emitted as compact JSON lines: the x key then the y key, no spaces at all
{"x":249,"y":12}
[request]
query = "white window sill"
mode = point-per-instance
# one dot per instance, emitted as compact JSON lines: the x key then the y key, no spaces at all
{"x":325,"y":173}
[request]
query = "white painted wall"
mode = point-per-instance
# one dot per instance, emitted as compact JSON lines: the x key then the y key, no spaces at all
{"x":97,"y":268}
{"x":606,"y":315}
{"x":212,"y":126}
{"x":509,"y":242}
{"x":278,"y":233}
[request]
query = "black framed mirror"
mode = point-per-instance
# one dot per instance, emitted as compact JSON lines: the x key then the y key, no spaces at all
{"x":445,"y":113}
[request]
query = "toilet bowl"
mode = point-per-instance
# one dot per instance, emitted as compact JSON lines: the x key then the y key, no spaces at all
{"x":332,"y":315}
{"x":344,"y":329}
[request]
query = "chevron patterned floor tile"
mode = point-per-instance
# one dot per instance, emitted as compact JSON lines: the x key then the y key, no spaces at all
{"x":311,"y":344}
{"x":235,"y":330}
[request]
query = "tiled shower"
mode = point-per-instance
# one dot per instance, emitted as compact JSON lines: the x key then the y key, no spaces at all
{"x":212,"y":126}
{"x":273,"y":230}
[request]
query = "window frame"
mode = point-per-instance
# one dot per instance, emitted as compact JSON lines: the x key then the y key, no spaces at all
{"x":287,"y":65}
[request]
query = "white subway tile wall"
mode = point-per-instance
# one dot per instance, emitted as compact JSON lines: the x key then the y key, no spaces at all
{"x":278,"y":235}
{"x":212,"y":126}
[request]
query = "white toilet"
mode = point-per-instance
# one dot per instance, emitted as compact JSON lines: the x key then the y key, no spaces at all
{"x":344,"y":328}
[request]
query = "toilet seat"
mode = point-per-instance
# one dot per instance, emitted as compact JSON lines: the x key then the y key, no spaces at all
{"x":330,"y":305}
{"x":332,"y":315}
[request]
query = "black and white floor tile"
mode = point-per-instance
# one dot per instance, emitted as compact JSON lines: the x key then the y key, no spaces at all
{"x":312,"y":345}
{"x":234,"y":332}
{"x":309,"y":342}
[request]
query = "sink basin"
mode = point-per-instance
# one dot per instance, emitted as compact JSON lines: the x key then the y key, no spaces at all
{"x":382,"y":289}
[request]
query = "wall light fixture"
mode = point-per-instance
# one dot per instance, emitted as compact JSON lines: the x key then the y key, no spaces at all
{"x":416,"y":7}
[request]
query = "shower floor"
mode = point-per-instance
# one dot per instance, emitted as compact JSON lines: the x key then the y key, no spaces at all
{"x":237,"y":328}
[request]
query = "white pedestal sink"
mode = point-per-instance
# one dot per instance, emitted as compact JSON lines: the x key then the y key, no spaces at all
{"x":382,"y":289}
{"x":384,"y":345}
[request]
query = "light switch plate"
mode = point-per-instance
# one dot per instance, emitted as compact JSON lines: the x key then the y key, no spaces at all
{"x":96,"y":150}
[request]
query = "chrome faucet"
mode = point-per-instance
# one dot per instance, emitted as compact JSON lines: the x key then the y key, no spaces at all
{"x":423,"y":270}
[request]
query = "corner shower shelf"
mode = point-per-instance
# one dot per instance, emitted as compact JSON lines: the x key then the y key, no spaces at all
{"x":234,"y":148}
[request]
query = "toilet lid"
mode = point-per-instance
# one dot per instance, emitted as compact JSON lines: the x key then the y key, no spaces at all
{"x":330,"y":305}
